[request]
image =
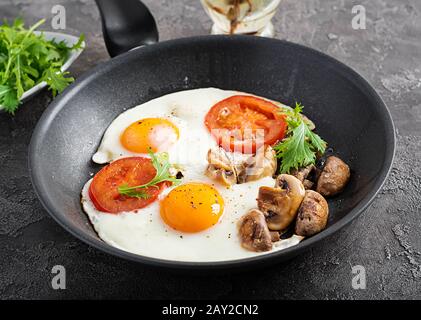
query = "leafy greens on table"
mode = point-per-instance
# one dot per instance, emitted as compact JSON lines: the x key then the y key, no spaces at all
{"x":27,"y":59}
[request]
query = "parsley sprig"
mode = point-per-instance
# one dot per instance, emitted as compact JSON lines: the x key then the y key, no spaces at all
{"x":301,"y":145}
{"x":27,"y":59}
{"x":162,"y":166}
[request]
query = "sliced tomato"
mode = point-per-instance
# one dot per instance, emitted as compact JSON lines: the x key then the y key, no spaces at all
{"x":132,"y":171}
{"x":244,"y":123}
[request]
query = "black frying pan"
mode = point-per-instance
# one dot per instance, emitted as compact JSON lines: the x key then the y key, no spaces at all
{"x":348,"y":113}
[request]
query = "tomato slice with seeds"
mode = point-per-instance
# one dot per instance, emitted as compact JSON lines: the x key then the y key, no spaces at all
{"x":131,"y":171}
{"x":245,"y":123}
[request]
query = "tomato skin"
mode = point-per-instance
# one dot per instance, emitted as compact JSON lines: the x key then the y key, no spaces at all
{"x":95,"y":202}
{"x":241,"y":114}
{"x":131,"y":171}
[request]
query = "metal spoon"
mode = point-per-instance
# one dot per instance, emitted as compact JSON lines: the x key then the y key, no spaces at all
{"x":126,"y":24}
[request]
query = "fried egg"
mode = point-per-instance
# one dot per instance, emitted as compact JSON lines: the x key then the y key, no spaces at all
{"x":145,"y":232}
{"x":171,"y":228}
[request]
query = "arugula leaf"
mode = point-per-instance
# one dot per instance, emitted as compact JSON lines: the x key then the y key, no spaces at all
{"x":8,"y":98}
{"x":301,"y":145}
{"x":162,"y":166}
{"x":57,"y":80}
{"x":79,"y":44}
{"x":27,"y":59}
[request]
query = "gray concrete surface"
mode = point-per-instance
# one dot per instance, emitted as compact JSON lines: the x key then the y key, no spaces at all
{"x":386,"y":239}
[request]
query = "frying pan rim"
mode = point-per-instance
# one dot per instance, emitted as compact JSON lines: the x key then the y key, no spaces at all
{"x":61,"y":101}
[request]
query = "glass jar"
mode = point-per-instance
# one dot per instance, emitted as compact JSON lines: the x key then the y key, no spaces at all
{"x":241,"y":16}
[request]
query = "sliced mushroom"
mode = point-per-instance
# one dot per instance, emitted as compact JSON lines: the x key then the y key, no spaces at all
{"x":308,"y":184}
{"x":275,"y":236}
{"x":260,"y":165}
{"x":312,"y":214}
{"x":334,"y":177}
{"x":280,"y":204}
{"x":254,"y":232}
{"x":224,"y":169}
{"x":221,"y":167}
{"x":303,"y":174}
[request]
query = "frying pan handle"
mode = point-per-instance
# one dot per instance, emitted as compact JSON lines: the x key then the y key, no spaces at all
{"x":126,"y":24}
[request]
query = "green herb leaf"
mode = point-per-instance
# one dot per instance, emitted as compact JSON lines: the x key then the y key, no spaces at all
{"x":301,"y":145}
{"x":27,"y":59}
{"x":57,"y":80}
{"x":162,"y":167}
{"x":8,"y":99}
{"x":136,"y":193}
{"x":79,"y":44}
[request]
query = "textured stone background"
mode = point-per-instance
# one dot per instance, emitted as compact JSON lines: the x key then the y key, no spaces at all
{"x":386,"y":239}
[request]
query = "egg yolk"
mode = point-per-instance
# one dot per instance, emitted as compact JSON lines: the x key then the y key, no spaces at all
{"x":150,"y":134}
{"x":192,"y":207}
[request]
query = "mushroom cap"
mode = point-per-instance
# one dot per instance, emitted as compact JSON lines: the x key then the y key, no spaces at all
{"x":220,"y":167}
{"x":312,"y":214}
{"x":254,"y":233}
{"x":280,"y":204}
{"x":334,"y":177}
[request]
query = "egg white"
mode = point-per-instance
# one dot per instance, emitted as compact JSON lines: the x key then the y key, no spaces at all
{"x":143,"y":231}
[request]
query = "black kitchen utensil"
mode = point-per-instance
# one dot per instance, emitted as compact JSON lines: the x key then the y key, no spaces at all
{"x":126,"y":24}
{"x":348,"y":113}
